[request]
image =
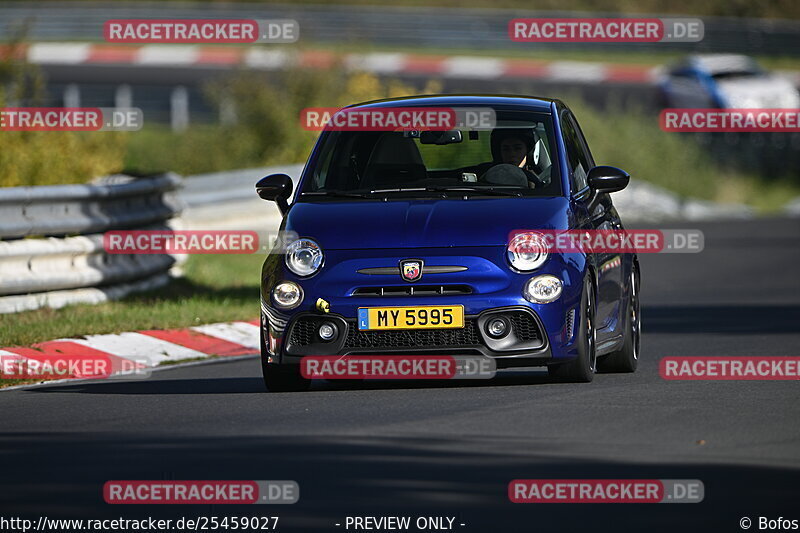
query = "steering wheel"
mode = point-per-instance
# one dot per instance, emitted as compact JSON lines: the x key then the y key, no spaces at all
{"x":507,"y":174}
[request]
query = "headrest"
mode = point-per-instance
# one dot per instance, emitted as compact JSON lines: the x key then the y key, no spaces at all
{"x":394,"y":149}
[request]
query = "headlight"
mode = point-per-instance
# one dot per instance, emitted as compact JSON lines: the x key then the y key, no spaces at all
{"x":543,"y":289}
{"x":527,"y":251}
{"x":304,"y":257}
{"x":287,"y":295}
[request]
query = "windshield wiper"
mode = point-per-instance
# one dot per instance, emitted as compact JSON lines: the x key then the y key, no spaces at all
{"x":338,"y":194}
{"x":408,"y":189}
{"x":489,"y":191}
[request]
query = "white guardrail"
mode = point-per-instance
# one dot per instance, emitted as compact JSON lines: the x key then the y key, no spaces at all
{"x":51,"y":237}
{"x":51,"y":252}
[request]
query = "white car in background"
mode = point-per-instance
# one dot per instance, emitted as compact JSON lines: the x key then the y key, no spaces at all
{"x":725,"y":81}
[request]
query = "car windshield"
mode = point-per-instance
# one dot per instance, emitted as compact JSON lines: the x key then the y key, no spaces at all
{"x":517,"y":157}
{"x":731,"y":74}
{"x":734,"y":67}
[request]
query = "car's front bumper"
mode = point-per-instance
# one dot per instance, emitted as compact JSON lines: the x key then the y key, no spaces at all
{"x":546,"y":331}
{"x":527,"y":344}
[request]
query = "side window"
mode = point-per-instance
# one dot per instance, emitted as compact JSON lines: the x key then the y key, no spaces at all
{"x":582,"y":140}
{"x":322,"y":168}
{"x":686,"y":75}
{"x":580,"y":160}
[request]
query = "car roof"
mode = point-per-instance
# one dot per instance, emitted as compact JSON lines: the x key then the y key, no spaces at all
{"x":520,"y":102}
{"x":717,"y":63}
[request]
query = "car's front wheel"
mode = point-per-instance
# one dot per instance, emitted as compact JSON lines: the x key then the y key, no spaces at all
{"x":582,"y":368}
{"x":626,"y":359}
{"x":281,"y":378}
{"x":284,"y":378}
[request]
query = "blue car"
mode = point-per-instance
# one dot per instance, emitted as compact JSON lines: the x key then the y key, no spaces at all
{"x":430,"y":223}
{"x":725,"y":81}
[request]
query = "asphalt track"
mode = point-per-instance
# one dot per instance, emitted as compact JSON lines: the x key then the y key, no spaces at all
{"x":451,"y":449}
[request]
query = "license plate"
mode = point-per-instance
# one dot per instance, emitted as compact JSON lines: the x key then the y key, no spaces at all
{"x":424,"y":317}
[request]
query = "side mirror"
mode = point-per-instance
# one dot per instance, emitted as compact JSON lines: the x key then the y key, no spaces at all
{"x":608,"y":179}
{"x":276,"y":188}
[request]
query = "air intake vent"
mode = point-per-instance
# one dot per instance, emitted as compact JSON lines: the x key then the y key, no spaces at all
{"x":434,"y":338}
{"x":570,"y":324}
{"x":414,"y":290}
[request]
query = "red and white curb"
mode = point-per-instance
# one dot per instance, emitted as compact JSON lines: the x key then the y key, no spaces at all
{"x":149,"y":348}
{"x":477,"y":67}
{"x":262,"y":58}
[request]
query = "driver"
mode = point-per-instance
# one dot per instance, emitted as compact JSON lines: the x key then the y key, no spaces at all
{"x":513,"y":147}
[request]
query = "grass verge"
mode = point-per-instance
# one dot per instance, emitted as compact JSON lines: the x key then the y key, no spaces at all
{"x":216,"y":288}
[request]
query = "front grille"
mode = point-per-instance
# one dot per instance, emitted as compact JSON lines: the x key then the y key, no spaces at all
{"x":426,"y":269}
{"x":414,"y":290}
{"x":302,"y":335}
{"x":304,"y":332}
{"x":524,"y":326}
{"x":420,"y":338}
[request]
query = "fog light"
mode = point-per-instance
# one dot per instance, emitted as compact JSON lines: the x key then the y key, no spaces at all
{"x":497,"y":327}
{"x":327,"y":331}
{"x":287,"y":295}
{"x":543,"y":289}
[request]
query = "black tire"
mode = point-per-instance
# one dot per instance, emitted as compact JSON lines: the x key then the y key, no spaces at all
{"x":284,"y":378}
{"x":346,"y":383}
{"x":626,"y":359}
{"x":582,"y":368}
{"x":281,"y":378}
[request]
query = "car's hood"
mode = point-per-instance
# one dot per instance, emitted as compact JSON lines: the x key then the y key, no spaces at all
{"x":423,"y":223}
{"x":759,"y":92}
